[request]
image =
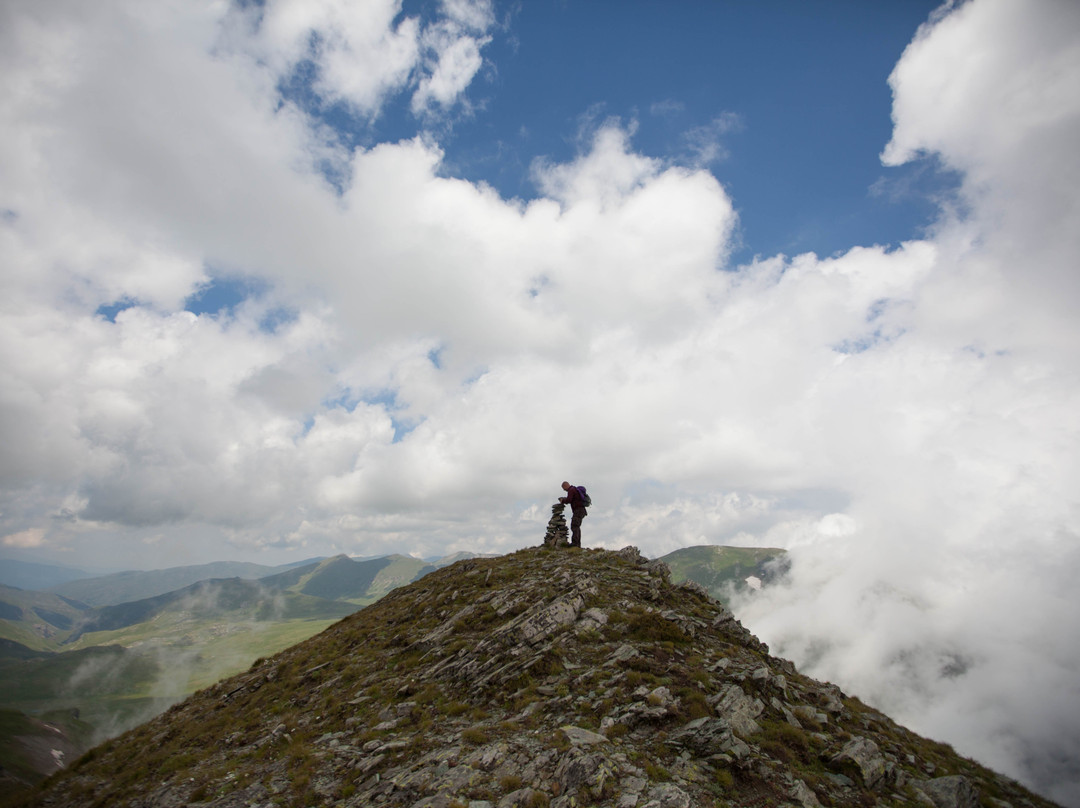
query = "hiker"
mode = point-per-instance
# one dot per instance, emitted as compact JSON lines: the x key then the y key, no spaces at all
{"x":576,"y":498}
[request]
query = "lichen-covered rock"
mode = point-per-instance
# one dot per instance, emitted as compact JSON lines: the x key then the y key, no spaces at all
{"x":864,"y":756}
{"x":585,"y":771}
{"x":583,"y":737}
{"x":739,"y":710}
{"x":694,"y":586}
{"x":667,"y":795}
{"x":539,"y":622}
{"x":804,"y":795}
{"x":709,"y":736}
{"x":659,"y":569}
{"x":592,"y":619}
{"x":954,"y":791}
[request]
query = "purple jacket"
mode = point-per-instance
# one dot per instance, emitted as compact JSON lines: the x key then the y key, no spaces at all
{"x":574,"y":499}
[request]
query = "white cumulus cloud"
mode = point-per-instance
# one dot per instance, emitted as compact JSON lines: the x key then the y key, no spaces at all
{"x":418,"y":361}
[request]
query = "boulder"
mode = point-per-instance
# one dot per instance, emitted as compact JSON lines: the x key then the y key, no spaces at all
{"x":695,"y":587}
{"x":580,"y":770}
{"x":592,"y":619}
{"x":667,"y":795}
{"x":739,"y":710}
{"x":623,"y":654}
{"x":954,"y":791}
{"x":862,"y":756}
{"x":706,"y":737}
{"x":805,"y":795}
{"x":659,"y":569}
{"x":583,"y":737}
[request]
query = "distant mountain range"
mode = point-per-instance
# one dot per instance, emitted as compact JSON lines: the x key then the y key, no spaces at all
{"x":126,"y":607}
{"x":35,"y":575}
{"x":122,"y":587}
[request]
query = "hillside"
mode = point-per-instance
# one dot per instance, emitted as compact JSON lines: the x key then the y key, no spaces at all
{"x":111,"y":684}
{"x":724,"y":570}
{"x":229,"y":601}
{"x":542,"y":678}
{"x":32,"y":745}
{"x":337,"y":578}
{"x":37,"y":620}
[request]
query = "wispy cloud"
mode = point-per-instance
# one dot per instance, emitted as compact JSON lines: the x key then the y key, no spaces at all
{"x":705,"y":143}
{"x":33,"y":537}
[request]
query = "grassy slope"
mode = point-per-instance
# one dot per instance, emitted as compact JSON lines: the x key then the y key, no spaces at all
{"x":38,"y":620}
{"x":172,"y":615}
{"x":719,"y":568}
{"x":112,"y":688}
{"x":228,"y":655}
{"x":160,"y":650}
{"x":106,"y":685}
{"x":20,"y":734}
{"x":341,"y":578}
{"x":400,"y":571}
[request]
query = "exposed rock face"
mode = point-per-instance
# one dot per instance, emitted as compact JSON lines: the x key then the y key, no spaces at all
{"x":543,"y":678}
{"x":867,"y":760}
{"x":949,"y":792}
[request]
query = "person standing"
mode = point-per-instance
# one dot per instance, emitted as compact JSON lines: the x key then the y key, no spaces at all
{"x":576,"y":499}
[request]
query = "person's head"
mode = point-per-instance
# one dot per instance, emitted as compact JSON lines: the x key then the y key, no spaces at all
{"x":565,"y":486}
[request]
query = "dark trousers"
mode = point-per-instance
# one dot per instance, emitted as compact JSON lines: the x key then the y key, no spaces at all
{"x":575,"y":528}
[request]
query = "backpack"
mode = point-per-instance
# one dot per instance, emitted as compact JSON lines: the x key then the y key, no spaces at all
{"x":585,"y":498}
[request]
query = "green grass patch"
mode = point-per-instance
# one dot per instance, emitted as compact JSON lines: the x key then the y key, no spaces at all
{"x":475,"y":736}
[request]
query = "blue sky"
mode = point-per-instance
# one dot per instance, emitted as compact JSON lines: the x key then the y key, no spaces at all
{"x":799,"y":91}
{"x":300,"y":277}
{"x":786,"y":103}
{"x":791,"y":96}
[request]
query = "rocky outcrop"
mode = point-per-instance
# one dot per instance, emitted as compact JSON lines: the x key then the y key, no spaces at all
{"x":866,"y":760}
{"x":544,"y":678}
{"x":948,"y":792}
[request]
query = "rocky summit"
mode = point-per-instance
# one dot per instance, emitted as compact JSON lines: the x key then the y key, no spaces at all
{"x":548,"y":677}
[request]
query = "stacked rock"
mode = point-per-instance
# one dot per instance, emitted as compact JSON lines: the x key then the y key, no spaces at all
{"x":557,"y":534}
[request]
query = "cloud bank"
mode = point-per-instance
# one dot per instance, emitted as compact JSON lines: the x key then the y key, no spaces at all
{"x":415,"y":362}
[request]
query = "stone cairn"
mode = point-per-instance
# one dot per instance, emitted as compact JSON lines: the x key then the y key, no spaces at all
{"x":557,"y":533}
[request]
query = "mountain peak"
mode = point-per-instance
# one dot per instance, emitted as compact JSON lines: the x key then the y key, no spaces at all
{"x":340,"y":558}
{"x":542,"y":678}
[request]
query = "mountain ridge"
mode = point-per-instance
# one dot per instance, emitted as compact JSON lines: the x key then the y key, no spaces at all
{"x":37,"y":575}
{"x":540,"y":678}
{"x":132,"y":585}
